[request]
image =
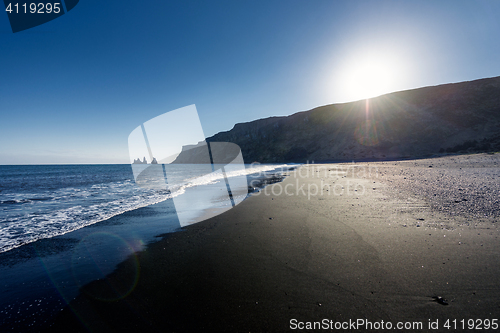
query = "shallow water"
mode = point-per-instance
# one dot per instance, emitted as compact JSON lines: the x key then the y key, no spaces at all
{"x":39,"y":278}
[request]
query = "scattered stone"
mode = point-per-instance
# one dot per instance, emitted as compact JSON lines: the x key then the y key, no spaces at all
{"x":440,"y":300}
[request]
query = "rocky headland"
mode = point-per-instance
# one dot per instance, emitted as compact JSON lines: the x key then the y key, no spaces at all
{"x":451,"y":118}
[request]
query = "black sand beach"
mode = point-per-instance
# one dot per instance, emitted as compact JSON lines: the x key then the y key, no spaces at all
{"x":408,"y":241}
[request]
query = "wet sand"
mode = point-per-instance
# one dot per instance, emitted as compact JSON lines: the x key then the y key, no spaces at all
{"x":345,"y":242}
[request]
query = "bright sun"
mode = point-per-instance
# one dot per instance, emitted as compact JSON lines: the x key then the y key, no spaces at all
{"x":370,"y":80}
{"x":367,"y":76}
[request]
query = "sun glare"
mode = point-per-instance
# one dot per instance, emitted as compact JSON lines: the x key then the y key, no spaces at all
{"x":366,"y":77}
{"x":370,"y":79}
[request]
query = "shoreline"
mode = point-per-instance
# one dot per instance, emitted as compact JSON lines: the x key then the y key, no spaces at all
{"x":52,"y":270}
{"x":275,"y":258}
{"x":40,"y":278}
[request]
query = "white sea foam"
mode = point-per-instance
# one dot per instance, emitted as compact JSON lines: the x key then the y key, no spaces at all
{"x":33,"y":216}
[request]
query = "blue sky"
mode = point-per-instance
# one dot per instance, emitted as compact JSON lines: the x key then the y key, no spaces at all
{"x":73,"y":89}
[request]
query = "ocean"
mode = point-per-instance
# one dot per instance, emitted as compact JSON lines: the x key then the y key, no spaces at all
{"x":63,"y":226}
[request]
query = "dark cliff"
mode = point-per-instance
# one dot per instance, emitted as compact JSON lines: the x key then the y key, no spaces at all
{"x":459,"y":117}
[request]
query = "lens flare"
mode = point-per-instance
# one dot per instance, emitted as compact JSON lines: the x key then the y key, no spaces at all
{"x":88,"y":262}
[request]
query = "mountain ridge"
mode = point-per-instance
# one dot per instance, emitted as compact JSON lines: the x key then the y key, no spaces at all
{"x":453,"y":117}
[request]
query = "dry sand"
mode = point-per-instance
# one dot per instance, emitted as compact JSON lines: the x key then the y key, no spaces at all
{"x":381,"y":248}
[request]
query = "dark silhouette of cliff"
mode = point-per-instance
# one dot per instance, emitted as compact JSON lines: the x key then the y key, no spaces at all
{"x":458,"y":117}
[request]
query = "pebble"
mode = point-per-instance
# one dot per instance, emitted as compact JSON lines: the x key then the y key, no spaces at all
{"x":440,"y":300}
